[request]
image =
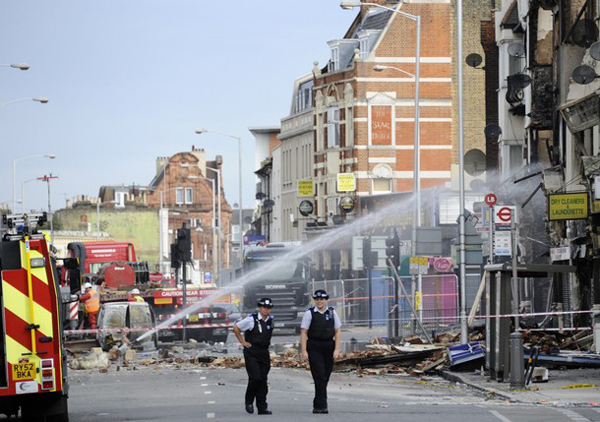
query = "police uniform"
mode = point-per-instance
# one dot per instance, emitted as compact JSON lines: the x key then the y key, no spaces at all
{"x":257,"y":331}
{"x":321,"y":328}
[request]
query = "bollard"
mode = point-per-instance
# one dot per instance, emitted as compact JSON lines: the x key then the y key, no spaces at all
{"x":517,"y":376}
{"x":73,"y":312}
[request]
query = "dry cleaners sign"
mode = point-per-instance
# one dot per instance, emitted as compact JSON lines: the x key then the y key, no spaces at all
{"x":567,"y":206}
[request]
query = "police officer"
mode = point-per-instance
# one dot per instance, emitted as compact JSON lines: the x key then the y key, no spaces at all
{"x":320,"y":339}
{"x":257,"y":329}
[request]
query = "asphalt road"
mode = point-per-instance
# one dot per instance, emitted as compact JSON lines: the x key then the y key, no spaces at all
{"x":191,"y":393}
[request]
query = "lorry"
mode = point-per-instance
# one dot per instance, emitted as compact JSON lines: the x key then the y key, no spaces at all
{"x":114,"y":267}
{"x":287,"y":285}
{"x":33,"y":359}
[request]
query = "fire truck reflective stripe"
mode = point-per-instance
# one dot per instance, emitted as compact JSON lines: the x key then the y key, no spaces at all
{"x":18,"y":303}
{"x":16,"y":329}
{"x":18,"y":280}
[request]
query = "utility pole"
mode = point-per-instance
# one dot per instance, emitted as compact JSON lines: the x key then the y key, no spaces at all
{"x":367,"y":264}
{"x":47,"y":179}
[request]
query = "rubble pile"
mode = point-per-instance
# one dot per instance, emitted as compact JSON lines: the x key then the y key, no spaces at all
{"x":581,"y":340}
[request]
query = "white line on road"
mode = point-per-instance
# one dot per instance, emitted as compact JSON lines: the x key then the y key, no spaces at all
{"x":207,"y":392}
{"x":574,"y":416}
{"x":210,"y":402}
{"x":210,"y":415}
{"x":203,"y":385}
{"x":202,"y":378}
{"x":499,"y":416}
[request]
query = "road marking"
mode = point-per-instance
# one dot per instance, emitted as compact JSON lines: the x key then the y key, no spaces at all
{"x":574,"y":416}
{"x":202,"y":378}
{"x":203,"y":385}
{"x":211,"y":402}
{"x":210,"y":415}
{"x":207,"y":392}
{"x":499,"y":416}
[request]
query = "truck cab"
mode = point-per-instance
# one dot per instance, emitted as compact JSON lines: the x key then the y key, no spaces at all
{"x":33,"y":365}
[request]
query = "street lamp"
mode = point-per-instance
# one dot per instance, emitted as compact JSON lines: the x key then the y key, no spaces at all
{"x":218,"y":193}
{"x":42,"y":100}
{"x":417,"y":153}
{"x":20,"y":66}
{"x":214,"y":243}
{"x":98,"y":214}
{"x":348,"y":5}
{"x":241,"y":249}
{"x":51,"y":156}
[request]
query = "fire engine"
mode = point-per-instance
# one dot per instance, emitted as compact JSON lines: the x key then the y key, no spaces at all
{"x":33,"y":365}
{"x":114,"y":266}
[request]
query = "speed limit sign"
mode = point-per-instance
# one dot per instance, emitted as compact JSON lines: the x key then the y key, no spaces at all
{"x":491,"y":199}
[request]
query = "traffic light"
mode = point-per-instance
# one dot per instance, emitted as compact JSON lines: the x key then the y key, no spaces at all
{"x":184,"y":244}
{"x":175,"y":256}
{"x":392,"y":249}
{"x":366,"y":252}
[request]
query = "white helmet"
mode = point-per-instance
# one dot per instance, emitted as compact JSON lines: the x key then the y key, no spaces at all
{"x":135,"y":292}
{"x":87,"y":286}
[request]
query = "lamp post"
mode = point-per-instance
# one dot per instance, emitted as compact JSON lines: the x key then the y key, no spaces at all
{"x":348,"y":5}
{"x":241,"y":220}
{"x":20,"y":66}
{"x":48,"y":179}
{"x":219,"y":233}
{"x":98,"y":214}
{"x":214,"y":243}
{"x":41,"y":100}
{"x":464,"y":335}
{"x":51,"y":156}
{"x":416,"y":154}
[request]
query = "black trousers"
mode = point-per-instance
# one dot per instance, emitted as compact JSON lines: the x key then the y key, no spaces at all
{"x":320,"y":357}
{"x":258,"y":364}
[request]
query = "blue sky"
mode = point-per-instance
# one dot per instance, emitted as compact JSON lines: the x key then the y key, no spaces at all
{"x":129,"y":81}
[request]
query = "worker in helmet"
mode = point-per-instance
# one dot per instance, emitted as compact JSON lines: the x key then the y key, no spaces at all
{"x":134,"y":296}
{"x":257,"y":329}
{"x":91,"y":299}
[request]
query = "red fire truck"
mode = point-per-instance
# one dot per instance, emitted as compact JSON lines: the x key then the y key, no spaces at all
{"x":33,"y":366}
{"x":114,"y":266}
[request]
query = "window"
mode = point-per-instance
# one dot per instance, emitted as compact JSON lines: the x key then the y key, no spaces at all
{"x":189,"y":196}
{"x":382,"y":185}
{"x":333,"y":128}
{"x":179,"y":196}
{"x":334,"y":64}
{"x":120,"y":199}
{"x":364,"y":48}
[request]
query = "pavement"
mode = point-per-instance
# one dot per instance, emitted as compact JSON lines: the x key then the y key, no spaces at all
{"x":565,"y":387}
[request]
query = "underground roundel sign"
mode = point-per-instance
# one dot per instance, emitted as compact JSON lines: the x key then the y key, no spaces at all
{"x":306,"y":208}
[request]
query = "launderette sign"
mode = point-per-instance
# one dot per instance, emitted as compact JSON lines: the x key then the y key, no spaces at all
{"x":567,"y":206}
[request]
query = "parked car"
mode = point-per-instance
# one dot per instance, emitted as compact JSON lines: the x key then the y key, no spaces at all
{"x":232,"y":310}
{"x":133,"y":315}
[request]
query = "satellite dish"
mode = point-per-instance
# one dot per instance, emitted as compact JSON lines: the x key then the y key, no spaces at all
{"x":269,"y":203}
{"x":516,"y":49}
{"x":247,"y":220}
{"x":260,"y":195}
{"x":585,"y":33}
{"x":473,"y":60}
{"x":474,"y":162}
{"x":492,"y":132}
{"x":519,"y":80}
{"x":595,"y":50}
{"x":584,"y":74}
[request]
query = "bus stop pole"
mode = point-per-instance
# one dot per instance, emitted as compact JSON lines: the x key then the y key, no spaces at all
{"x":516,"y":339}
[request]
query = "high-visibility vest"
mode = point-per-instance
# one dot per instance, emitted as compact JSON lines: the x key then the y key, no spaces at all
{"x":139,"y":299}
{"x":93,"y":303}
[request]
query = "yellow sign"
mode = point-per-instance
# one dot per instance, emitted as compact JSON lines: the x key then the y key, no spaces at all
{"x":567,"y":206}
{"x":24,"y":371}
{"x":305,"y":187}
{"x":417,"y":299}
{"x":346,"y":182}
{"x":163,"y":300}
{"x":193,"y":318}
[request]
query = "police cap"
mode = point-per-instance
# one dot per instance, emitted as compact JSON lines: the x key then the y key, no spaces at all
{"x":265,"y":302}
{"x":320,"y":294}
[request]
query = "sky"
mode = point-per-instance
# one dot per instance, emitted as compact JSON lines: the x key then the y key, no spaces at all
{"x":130,"y":81}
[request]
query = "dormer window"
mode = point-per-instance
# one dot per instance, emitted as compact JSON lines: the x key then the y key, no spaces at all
{"x":334,"y":64}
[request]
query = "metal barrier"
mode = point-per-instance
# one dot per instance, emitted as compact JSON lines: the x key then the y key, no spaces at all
{"x":438,"y":305}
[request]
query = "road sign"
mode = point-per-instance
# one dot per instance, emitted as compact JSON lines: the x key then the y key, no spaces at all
{"x":491,"y":199}
{"x":502,"y":243}
{"x":503,"y":214}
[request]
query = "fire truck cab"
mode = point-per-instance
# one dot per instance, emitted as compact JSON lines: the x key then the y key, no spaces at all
{"x":33,"y":365}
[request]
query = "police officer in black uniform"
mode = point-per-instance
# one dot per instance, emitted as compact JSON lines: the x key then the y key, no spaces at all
{"x":320,"y":339}
{"x":257,"y":329}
